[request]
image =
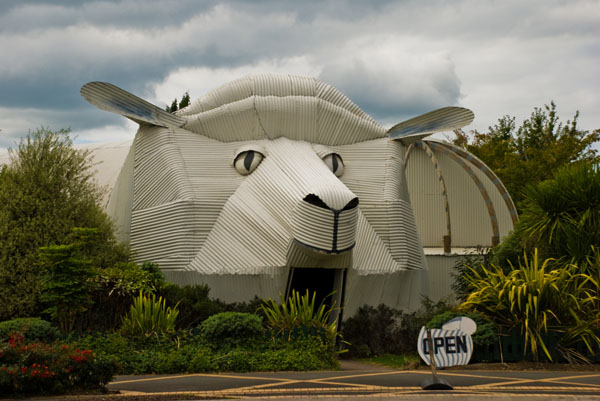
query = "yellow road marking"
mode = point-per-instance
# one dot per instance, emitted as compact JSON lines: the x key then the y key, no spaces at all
{"x":197,"y":375}
{"x":259,"y":386}
{"x":491,"y":388}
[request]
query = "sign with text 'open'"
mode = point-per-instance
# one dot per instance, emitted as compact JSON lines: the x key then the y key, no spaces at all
{"x":451,"y":345}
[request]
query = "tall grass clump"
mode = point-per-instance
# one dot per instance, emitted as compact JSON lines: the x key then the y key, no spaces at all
{"x":300,"y":312}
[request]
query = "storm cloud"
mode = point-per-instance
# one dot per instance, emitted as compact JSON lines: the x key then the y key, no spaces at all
{"x":395,"y":59}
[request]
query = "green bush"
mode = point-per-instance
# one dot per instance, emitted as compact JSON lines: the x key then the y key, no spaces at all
{"x":149,"y":316}
{"x":36,"y":368}
{"x":32,"y":329}
{"x":383,"y":330}
{"x":371,"y":331}
{"x":481,"y":257}
{"x":114,"y":290}
{"x":193,"y":304}
{"x":232,"y":329}
{"x":191,"y":354}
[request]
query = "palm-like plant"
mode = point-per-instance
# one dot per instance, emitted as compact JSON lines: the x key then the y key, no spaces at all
{"x":536,"y":300}
{"x":562,"y":215}
{"x":298,"y":311}
{"x":149,"y":316}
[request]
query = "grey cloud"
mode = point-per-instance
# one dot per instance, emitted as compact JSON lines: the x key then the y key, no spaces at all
{"x":54,"y":47}
{"x":390,"y":83}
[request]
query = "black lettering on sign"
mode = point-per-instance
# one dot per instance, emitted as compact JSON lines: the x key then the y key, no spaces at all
{"x":461,"y":343}
{"x":450,"y":345}
{"x":438,"y":342}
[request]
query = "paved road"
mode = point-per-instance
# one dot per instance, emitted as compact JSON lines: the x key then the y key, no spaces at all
{"x":366,"y":381}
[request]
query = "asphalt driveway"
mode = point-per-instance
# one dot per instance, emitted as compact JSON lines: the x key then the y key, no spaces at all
{"x":361,"y":380}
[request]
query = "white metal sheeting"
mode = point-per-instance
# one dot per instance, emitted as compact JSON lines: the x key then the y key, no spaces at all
{"x":479,"y":207}
{"x":271,"y":105}
{"x":190,"y":208}
{"x":239,"y":228}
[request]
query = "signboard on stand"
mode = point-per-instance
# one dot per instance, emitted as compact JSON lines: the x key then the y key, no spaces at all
{"x":452,"y":344}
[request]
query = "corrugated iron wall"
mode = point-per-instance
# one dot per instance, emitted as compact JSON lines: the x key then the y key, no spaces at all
{"x":205,"y":222}
{"x":472,"y":208}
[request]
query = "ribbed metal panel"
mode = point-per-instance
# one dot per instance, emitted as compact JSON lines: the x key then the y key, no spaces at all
{"x":235,"y":288}
{"x":120,"y":202}
{"x":111,"y":98}
{"x":478,"y":208}
{"x":403,"y":290}
{"x":444,"y":119}
{"x":489,"y":174}
{"x":271,"y":105}
{"x":441,"y":268}
{"x":202,"y":221}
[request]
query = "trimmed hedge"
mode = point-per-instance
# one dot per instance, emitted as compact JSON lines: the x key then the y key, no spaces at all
{"x":31,"y":328}
{"x":232,"y":329}
{"x":189,"y":353}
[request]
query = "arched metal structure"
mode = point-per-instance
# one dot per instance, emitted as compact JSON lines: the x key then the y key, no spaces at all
{"x":468,"y":163}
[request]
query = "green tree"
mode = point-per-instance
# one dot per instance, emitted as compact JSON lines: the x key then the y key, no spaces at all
{"x":185,"y":101}
{"x":532,"y":152}
{"x":67,"y":281}
{"x":46,"y":189}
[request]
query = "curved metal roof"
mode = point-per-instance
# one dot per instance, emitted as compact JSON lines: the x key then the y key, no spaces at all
{"x":458,"y":201}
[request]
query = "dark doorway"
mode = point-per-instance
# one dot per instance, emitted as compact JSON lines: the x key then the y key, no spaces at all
{"x":314,"y":279}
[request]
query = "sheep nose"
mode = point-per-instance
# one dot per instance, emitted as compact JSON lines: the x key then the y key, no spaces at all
{"x":316,"y":201}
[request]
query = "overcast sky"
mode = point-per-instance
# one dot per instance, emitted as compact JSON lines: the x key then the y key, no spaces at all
{"x":395,"y":59}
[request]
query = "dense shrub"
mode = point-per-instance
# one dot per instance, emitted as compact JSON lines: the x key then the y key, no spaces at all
{"x":113,"y":293}
{"x":37,"y":368}
{"x":192,"y":354}
{"x":383,"y":330}
{"x":371,"y":331}
{"x":193,"y":304}
{"x":32,"y":329}
{"x":67,"y":281}
{"x":232,"y":329}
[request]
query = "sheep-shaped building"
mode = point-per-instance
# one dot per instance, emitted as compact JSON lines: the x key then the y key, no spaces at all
{"x":278,"y":182}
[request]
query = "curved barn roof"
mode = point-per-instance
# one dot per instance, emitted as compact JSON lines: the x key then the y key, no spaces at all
{"x":457,"y":199}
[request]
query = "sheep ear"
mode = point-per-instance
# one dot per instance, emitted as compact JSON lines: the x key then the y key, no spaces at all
{"x":111,"y":98}
{"x":444,"y":119}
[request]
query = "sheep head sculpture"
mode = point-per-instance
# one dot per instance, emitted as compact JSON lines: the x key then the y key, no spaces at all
{"x":270,"y":172}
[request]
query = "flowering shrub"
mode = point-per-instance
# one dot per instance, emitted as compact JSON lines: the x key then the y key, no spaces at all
{"x":35,"y":368}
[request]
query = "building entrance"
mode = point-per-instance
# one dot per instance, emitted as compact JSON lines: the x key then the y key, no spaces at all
{"x":328,"y":284}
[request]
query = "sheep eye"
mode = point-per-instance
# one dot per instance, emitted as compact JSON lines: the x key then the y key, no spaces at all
{"x":335,"y":164}
{"x":247,"y":161}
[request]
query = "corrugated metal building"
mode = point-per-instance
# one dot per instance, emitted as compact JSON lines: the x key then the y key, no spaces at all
{"x":274,"y":182}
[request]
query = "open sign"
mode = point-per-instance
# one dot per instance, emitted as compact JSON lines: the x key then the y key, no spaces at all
{"x":451,"y":345}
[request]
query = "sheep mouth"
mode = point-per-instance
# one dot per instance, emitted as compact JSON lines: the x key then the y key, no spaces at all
{"x":325,"y":230}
